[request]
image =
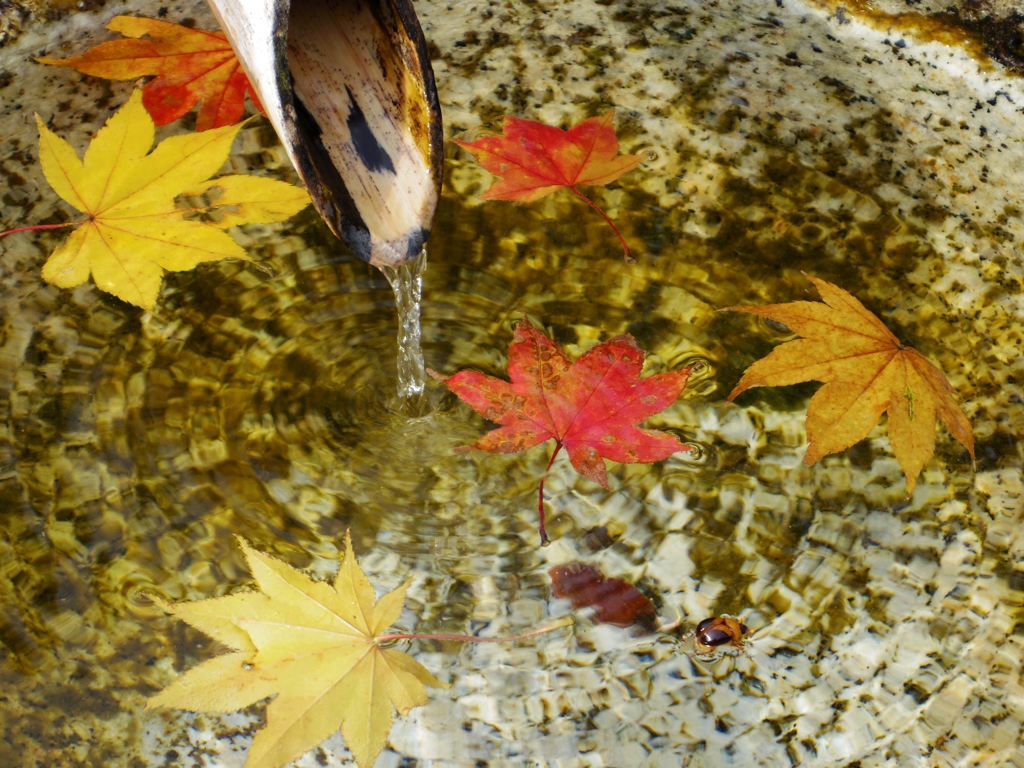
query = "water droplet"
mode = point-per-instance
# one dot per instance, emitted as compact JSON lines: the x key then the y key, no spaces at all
{"x":697,"y":454}
{"x":775,"y":326}
{"x":702,"y":369}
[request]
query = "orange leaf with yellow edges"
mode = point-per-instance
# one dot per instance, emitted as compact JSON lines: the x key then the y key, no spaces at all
{"x":191,"y":65}
{"x":533,"y":160}
{"x":867,"y":372}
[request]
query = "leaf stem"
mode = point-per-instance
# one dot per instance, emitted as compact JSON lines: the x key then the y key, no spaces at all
{"x":627,"y":254}
{"x":35,"y":227}
{"x":544,"y":541}
{"x":565,"y":621}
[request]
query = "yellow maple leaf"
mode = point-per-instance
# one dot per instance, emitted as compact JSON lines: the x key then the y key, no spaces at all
{"x":316,"y":646}
{"x":134,"y":231}
{"x":867,"y":372}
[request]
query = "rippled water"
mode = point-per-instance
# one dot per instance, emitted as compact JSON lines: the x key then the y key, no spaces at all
{"x":264,"y":399}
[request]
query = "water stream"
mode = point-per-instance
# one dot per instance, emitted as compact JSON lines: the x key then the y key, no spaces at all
{"x":407,"y":283}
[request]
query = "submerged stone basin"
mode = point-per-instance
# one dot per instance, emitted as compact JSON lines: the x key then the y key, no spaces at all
{"x":878,"y":149}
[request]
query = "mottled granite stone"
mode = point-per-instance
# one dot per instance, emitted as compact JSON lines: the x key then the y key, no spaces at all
{"x":858,"y":146}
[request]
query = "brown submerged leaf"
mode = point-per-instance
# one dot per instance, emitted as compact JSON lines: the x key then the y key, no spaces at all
{"x":615,"y":601}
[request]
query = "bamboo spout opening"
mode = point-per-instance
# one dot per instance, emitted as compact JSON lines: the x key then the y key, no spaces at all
{"x":349,"y":88}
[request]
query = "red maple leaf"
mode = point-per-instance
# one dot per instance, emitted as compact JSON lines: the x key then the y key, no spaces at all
{"x":533,"y":160}
{"x":191,"y":65}
{"x":590,"y":407}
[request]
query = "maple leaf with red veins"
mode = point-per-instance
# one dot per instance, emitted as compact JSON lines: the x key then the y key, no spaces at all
{"x":191,"y":65}
{"x":589,"y":407}
{"x":533,"y":160}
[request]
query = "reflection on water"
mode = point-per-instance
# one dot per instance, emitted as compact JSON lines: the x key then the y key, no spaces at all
{"x":260,"y":400}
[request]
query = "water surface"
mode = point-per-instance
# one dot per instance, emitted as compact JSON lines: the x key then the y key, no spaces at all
{"x":259,"y":399}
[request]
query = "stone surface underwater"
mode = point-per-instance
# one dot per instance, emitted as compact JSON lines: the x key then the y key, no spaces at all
{"x":877,"y":145}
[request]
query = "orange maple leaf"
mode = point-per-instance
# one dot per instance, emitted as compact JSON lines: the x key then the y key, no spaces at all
{"x":533,"y":160}
{"x":867,"y":372}
{"x":191,"y":65}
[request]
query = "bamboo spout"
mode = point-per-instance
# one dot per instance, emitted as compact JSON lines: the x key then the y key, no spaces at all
{"x":349,"y":88}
